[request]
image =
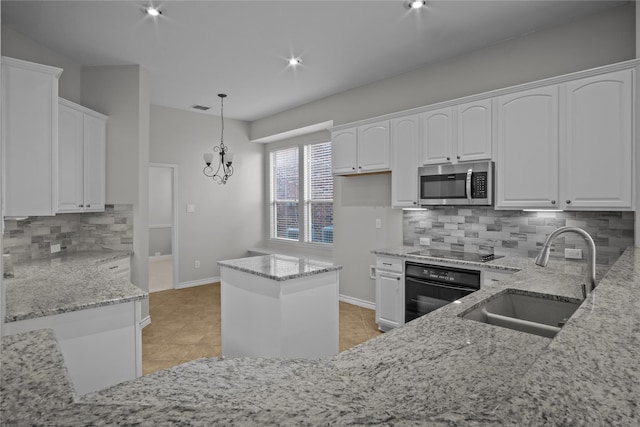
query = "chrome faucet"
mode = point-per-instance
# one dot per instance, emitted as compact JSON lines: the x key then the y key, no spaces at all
{"x":543,"y":257}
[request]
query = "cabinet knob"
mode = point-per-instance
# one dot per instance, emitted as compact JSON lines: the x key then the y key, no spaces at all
{"x":553,"y":202}
{"x":353,"y":168}
{"x":568,"y":202}
{"x":397,"y":278}
{"x":88,"y":206}
{"x":359,"y":167}
{"x":458,"y":157}
{"x":415,"y":203}
{"x":80,"y":206}
{"x":448,"y":158}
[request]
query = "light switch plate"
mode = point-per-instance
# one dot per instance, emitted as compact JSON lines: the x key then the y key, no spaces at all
{"x":55,"y":248}
{"x":378,"y":223}
{"x":573,"y":253}
{"x":191,"y":208}
{"x":425,"y":241}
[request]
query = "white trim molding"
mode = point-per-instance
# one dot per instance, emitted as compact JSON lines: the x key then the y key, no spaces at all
{"x":145,"y":322}
{"x":357,"y":301}
{"x":198,"y":282}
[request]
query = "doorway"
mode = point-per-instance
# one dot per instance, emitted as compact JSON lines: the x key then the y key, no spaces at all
{"x":163,"y":231}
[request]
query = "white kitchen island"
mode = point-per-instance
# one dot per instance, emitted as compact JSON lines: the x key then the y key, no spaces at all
{"x":279,"y":306}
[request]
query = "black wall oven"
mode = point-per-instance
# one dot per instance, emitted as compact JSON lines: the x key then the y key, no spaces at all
{"x":429,"y":287}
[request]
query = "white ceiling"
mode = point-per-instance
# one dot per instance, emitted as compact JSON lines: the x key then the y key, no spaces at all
{"x":198,"y":49}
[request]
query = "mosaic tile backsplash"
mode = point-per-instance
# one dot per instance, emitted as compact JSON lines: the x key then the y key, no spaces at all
{"x":31,"y":238}
{"x":485,"y":230}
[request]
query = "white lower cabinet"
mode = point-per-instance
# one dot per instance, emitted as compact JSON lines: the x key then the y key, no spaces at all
{"x":101,"y":346}
{"x":389,"y":293}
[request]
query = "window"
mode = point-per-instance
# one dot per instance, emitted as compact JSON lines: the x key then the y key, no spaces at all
{"x":309,"y":206}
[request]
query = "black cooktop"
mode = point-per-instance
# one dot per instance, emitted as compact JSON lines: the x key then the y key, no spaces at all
{"x":456,"y":255}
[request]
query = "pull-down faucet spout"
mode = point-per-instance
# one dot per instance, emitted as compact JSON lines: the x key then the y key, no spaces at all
{"x":543,"y":257}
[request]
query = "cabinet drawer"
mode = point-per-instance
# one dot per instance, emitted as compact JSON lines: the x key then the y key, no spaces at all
{"x":389,"y":264}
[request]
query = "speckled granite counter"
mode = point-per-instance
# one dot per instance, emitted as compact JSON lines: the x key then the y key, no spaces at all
{"x":280,"y":267}
{"x":437,"y":370}
{"x":68,"y":283}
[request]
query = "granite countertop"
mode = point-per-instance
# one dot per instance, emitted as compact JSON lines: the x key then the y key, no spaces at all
{"x":68,"y":283}
{"x":438,"y":370}
{"x":508,"y":264}
{"x":280,"y":267}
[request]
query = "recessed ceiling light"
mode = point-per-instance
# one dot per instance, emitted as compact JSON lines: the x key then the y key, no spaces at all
{"x":153,"y":11}
{"x":294,"y":61}
{"x":416,"y":4}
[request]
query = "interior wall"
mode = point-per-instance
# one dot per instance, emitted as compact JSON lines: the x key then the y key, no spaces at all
{"x":227,"y":220}
{"x":122,"y":93}
{"x":15,"y":45}
{"x":358,"y":202}
{"x":596,"y":40}
{"x":637,"y":129}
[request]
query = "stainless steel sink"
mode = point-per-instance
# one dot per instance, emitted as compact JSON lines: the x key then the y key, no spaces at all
{"x":539,"y":314}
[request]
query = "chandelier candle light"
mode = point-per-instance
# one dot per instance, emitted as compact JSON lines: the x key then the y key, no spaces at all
{"x":225,"y":170}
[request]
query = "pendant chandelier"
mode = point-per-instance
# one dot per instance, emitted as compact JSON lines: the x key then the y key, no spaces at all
{"x":224,"y":170}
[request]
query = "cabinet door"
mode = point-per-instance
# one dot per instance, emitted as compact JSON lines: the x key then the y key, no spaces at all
{"x":344,"y":151}
{"x":527,"y":160}
{"x":598,"y":150}
{"x":389,"y":300}
{"x":94,"y":163}
{"x":405,"y":139}
{"x":70,"y":159}
{"x":474,"y":131}
{"x":437,"y":136}
{"x":29,"y":138}
{"x":373,"y":147}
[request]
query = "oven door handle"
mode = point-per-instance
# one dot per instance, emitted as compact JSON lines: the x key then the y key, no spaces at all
{"x":469,"y":173}
{"x":442,"y":285}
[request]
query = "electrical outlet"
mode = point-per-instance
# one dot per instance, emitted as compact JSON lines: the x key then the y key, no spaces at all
{"x":573,"y":253}
{"x":197,"y":264}
{"x":55,"y":248}
{"x":191,"y":208}
{"x":425,"y":241}
{"x":378,"y":223}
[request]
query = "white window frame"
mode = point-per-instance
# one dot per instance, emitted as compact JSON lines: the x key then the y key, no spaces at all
{"x":304,"y":202}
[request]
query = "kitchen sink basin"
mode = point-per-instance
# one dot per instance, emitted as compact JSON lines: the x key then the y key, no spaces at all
{"x":539,"y":314}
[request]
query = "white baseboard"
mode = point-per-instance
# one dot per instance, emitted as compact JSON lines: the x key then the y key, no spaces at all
{"x":145,"y":322}
{"x":357,"y":301}
{"x":198,"y":282}
{"x":160,"y":258}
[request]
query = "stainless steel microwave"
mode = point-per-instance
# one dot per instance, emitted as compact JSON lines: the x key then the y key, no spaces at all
{"x":467,"y":184}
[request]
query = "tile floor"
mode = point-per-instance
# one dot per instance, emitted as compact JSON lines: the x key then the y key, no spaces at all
{"x":185,"y":325}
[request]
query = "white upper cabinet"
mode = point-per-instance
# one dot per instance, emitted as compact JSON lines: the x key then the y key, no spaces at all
{"x":405,"y":140}
{"x":362,"y":149}
{"x":474,"y":135}
{"x":373,"y":147}
{"x":598,"y":149}
{"x":527,"y":157}
{"x":30,"y":138}
{"x":81,"y":158}
{"x":344,"y":147}
{"x":457,"y":134}
{"x":437,"y":136}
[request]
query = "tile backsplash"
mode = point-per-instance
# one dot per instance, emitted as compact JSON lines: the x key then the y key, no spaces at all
{"x":31,"y":238}
{"x":486,"y":230}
